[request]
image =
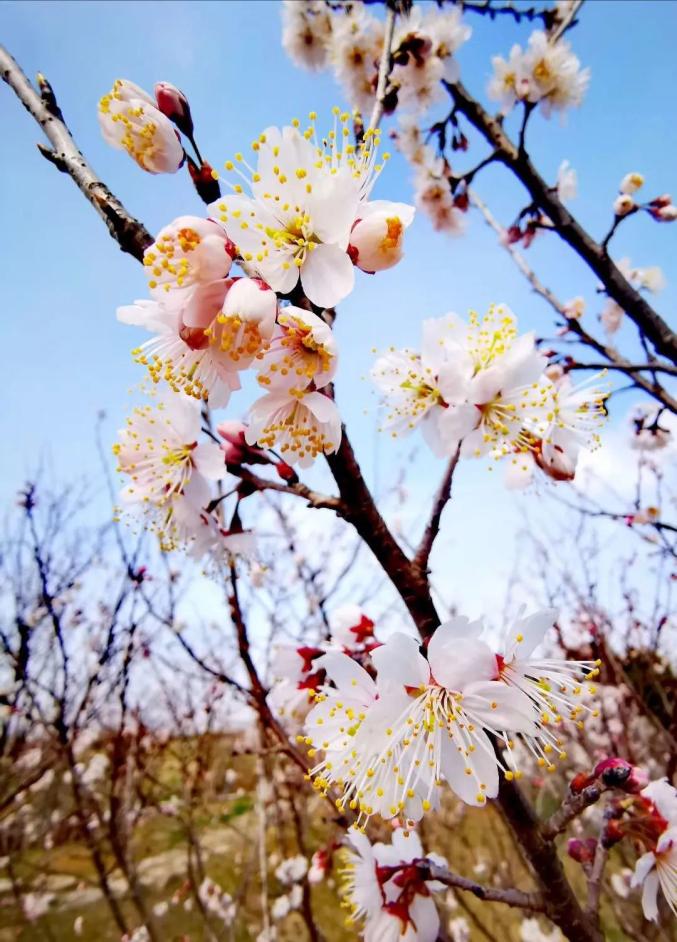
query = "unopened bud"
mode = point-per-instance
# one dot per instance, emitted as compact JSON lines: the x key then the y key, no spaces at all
{"x":582,"y":851}
{"x":174,"y":105}
{"x":624,"y":204}
{"x":286,"y":472}
{"x":613,"y":771}
{"x":579,"y":782}
{"x":513,"y":234}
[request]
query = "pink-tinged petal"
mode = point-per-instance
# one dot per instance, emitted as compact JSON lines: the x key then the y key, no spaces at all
{"x":500,"y":707}
{"x":425,"y":917}
{"x":347,"y":673}
{"x":455,"y":665}
{"x":403,"y":211}
{"x":204,"y":302}
{"x":210,"y":461}
{"x":527,"y":633}
{"x":327,"y":275}
{"x":399,"y":661}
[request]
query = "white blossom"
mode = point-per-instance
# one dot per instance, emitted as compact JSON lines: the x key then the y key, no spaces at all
{"x":300,"y":424}
{"x":306,"y":32}
{"x":396,"y":908}
{"x":305,"y":196}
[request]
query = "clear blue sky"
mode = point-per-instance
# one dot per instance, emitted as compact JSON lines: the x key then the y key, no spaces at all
{"x":64,"y":356}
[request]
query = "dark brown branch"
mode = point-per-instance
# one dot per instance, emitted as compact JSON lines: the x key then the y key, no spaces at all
{"x":128,"y":232}
{"x":492,"y":894}
{"x":361,"y":511}
{"x":561,"y":903}
{"x":615,"y":284}
{"x":433,"y":528}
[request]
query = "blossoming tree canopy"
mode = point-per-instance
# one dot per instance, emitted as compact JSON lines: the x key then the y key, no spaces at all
{"x":399,"y":719}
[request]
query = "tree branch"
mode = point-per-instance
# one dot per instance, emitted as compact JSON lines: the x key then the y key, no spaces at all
{"x":384,"y":68}
{"x":128,"y":232}
{"x":569,"y":229}
{"x":492,"y":894}
{"x":433,"y":528}
{"x":616,"y":361}
{"x":361,"y":511}
{"x":561,"y":903}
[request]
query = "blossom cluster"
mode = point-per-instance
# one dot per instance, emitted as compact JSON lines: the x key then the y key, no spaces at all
{"x":298,"y":228}
{"x":661,"y":208}
{"x":296,"y":670}
{"x":385,"y":890}
{"x":349,"y":40}
{"x":481,"y":387}
{"x":450,"y":713}
{"x":547,"y":73}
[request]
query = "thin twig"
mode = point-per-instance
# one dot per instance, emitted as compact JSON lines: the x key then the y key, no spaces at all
{"x":493,"y":894}
{"x":441,"y":500}
{"x":564,"y":224}
{"x":384,"y":68}
{"x":615,"y":359}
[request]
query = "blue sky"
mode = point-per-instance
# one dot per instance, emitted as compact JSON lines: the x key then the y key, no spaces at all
{"x":65,"y":357}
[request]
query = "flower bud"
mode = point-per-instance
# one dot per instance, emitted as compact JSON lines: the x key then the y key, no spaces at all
{"x":624,"y":204}
{"x":174,"y":105}
{"x":665,"y":213}
{"x":613,"y":771}
{"x":235,"y":446}
{"x":286,"y":472}
{"x":631,"y":182}
{"x":582,"y":851}
{"x":376,"y":238}
{"x":130,"y":121}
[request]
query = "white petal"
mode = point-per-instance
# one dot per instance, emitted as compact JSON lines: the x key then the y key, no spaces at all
{"x":328,"y":275}
{"x":514,"y":710}
{"x":210,"y":461}
{"x":532,"y":630}
{"x":347,"y":673}
{"x":425,"y":917}
{"x":459,"y":664}
{"x":650,"y":897}
{"x":642,"y":868}
{"x":399,"y":661}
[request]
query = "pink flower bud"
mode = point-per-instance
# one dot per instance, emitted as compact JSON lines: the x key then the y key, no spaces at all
{"x":174,"y":105}
{"x":377,"y":236}
{"x":582,"y":851}
{"x":665,"y":213}
{"x":235,"y":448}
